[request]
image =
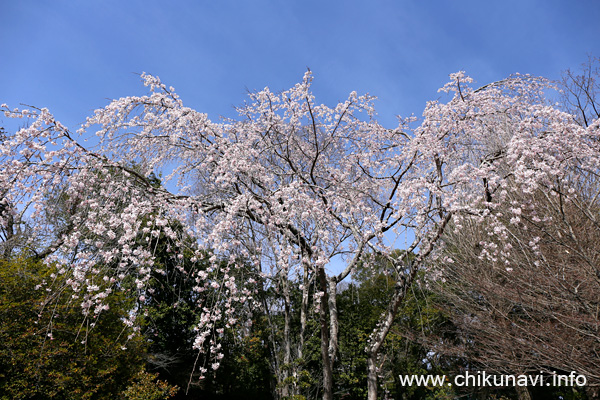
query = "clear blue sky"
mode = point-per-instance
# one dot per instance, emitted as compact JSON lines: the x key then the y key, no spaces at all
{"x":71,"y":56}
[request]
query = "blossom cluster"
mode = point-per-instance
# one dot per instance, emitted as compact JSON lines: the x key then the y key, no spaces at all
{"x":286,"y":187}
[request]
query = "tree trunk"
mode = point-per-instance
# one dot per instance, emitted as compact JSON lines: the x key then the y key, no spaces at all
{"x":522,"y":393}
{"x":9,"y":231}
{"x":303,"y":310}
{"x":372,"y":377}
{"x":325,"y":338}
{"x":303,"y":323}
{"x":404,"y":282}
{"x":333,"y":320}
{"x":287,"y":357}
{"x":276,"y":388}
{"x":383,"y":327}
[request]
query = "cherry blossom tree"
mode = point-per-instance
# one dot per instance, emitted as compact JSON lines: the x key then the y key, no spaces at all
{"x":539,"y":311}
{"x":286,"y":187}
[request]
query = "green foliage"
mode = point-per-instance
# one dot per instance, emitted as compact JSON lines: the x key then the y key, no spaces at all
{"x":172,"y":309}
{"x":360,"y":306}
{"x":244,"y":372}
{"x":171,"y":312}
{"x":145,"y":386}
{"x":51,"y":352}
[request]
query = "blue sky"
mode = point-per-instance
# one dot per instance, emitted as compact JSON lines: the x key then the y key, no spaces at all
{"x":72,"y":56}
